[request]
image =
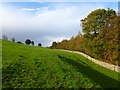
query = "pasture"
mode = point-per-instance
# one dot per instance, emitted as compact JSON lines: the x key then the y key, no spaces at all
{"x":26,"y":66}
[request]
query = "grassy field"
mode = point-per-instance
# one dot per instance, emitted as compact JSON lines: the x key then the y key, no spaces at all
{"x":37,"y":67}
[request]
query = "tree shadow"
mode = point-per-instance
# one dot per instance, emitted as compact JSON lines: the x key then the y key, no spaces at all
{"x":101,"y":79}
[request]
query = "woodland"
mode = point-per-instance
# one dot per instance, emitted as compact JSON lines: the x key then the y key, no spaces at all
{"x":99,"y":36}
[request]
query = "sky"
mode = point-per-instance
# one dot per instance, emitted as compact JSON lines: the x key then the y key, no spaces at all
{"x":46,"y":22}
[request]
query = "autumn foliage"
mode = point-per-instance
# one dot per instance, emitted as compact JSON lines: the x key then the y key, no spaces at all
{"x":99,"y":38}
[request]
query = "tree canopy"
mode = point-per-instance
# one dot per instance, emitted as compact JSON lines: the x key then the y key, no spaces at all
{"x":28,"y":41}
{"x":100,"y":38}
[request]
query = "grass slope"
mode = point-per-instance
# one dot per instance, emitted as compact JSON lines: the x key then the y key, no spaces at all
{"x":0,"y":64}
{"x":37,"y":67}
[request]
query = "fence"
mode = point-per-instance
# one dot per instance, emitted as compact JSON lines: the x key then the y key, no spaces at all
{"x":101,"y":63}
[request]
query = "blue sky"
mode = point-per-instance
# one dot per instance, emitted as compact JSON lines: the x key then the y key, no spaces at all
{"x":43,"y":4}
{"x":46,"y":22}
{"x":59,"y":0}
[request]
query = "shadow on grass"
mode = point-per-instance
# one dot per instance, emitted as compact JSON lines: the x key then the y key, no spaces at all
{"x":101,"y":79}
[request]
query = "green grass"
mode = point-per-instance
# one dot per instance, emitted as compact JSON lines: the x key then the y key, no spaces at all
{"x":0,"y":64}
{"x":37,"y":67}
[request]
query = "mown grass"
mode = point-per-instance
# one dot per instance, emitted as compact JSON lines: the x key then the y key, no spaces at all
{"x":37,"y":67}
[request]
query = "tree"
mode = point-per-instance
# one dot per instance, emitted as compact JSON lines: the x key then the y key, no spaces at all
{"x":96,"y":20}
{"x":79,"y":34}
{"x":28,"y":42}
{"x":32,"y":42}
{"x":13,"y":39}
{"x":54,"y":44}
{"x":40,"y":44}
{"x":64,"y":44}
{"x":4,"y":37}
{"x":101,"y":34}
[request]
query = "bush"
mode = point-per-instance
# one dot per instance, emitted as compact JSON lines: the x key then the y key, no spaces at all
{"x":28,"y":42}
{"x":40,"y":44}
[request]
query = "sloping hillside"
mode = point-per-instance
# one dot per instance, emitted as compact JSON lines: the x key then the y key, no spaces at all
{"x":37,"y":67}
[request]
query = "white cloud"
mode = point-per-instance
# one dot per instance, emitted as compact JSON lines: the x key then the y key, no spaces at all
{"x":46,"y":25}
